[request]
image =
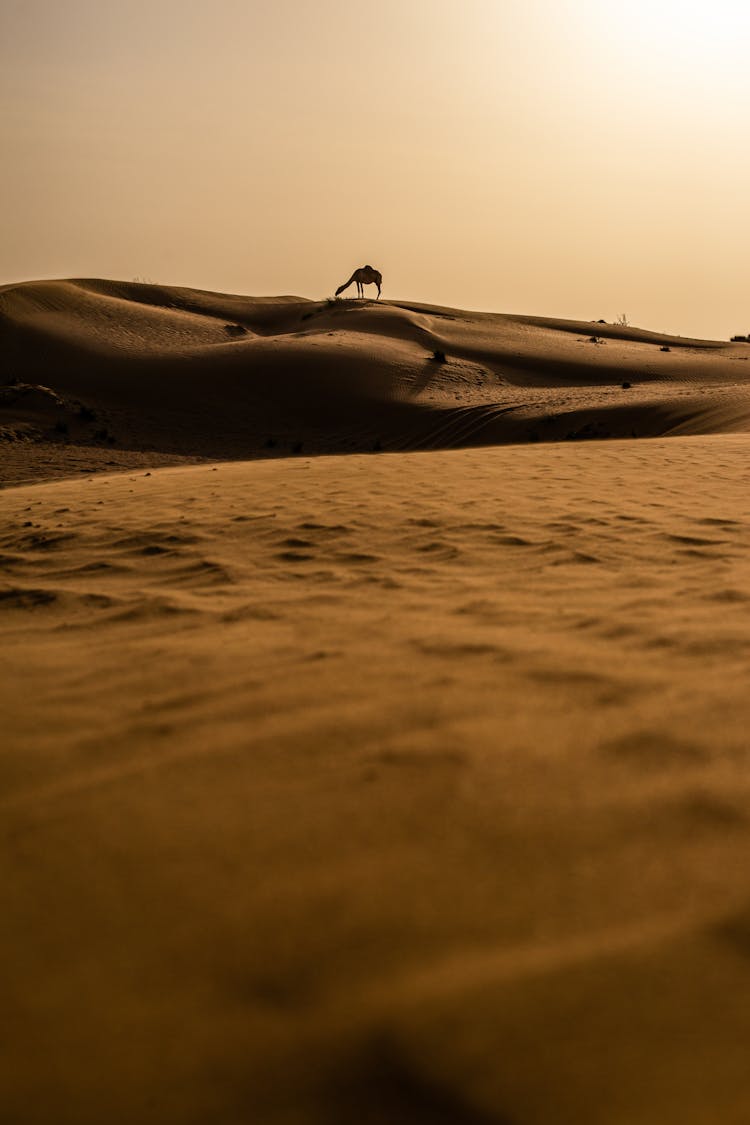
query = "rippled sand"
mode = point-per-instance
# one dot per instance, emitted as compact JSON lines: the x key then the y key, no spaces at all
{"x":408,"y":788}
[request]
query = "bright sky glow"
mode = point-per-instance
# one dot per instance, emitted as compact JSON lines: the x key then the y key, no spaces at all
{"x":680,"y":31}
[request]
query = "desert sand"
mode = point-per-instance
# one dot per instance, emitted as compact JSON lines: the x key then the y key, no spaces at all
{"x":374,"y":746}
{"x":98,"y":373}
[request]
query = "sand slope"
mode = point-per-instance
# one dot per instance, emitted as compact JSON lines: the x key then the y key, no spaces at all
{"x":115,"y":367}
{"x":399,"y":789}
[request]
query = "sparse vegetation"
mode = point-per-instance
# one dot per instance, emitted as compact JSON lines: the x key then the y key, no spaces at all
{"x":438,"y":357}
{"x":622,"y":321}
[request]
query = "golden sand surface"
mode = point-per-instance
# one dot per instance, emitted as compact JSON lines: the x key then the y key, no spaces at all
{"x":395,"y":788}
{"x":374,"y":746}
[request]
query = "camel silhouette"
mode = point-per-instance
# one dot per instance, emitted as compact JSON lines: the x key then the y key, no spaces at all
{"x":364,"y":276}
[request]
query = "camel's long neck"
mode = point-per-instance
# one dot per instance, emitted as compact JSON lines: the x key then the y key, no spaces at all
{"x":346,"y":284}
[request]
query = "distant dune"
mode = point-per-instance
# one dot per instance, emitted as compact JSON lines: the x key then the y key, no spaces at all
{"x":121,"y":369}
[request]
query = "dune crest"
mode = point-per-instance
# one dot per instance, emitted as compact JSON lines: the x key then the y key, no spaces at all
{"x":132,"y":368}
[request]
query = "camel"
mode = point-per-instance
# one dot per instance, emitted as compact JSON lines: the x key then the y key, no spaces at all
{"x":364,"y":276}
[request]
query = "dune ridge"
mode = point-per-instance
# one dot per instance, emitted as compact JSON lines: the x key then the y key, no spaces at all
{"x":129,"y":369}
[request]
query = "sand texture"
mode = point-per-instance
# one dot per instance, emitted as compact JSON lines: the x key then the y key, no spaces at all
{"x":401,"y":789}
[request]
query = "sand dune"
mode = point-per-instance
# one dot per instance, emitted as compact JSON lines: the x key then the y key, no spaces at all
{"x":405,"y":789}
{"x":121,"y":369}
{"x":409,"y":788}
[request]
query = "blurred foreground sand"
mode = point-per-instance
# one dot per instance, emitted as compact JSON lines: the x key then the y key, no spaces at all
{"x":396,"y":789}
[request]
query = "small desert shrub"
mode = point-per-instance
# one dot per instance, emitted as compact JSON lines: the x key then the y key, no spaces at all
{"x":438,"y":357}
{"x":622,"y":320}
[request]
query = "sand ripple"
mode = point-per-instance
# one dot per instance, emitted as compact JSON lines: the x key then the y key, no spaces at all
{"x":409,"y":788}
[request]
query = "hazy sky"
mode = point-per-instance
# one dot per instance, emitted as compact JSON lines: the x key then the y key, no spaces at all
{"x":579,"y":158}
